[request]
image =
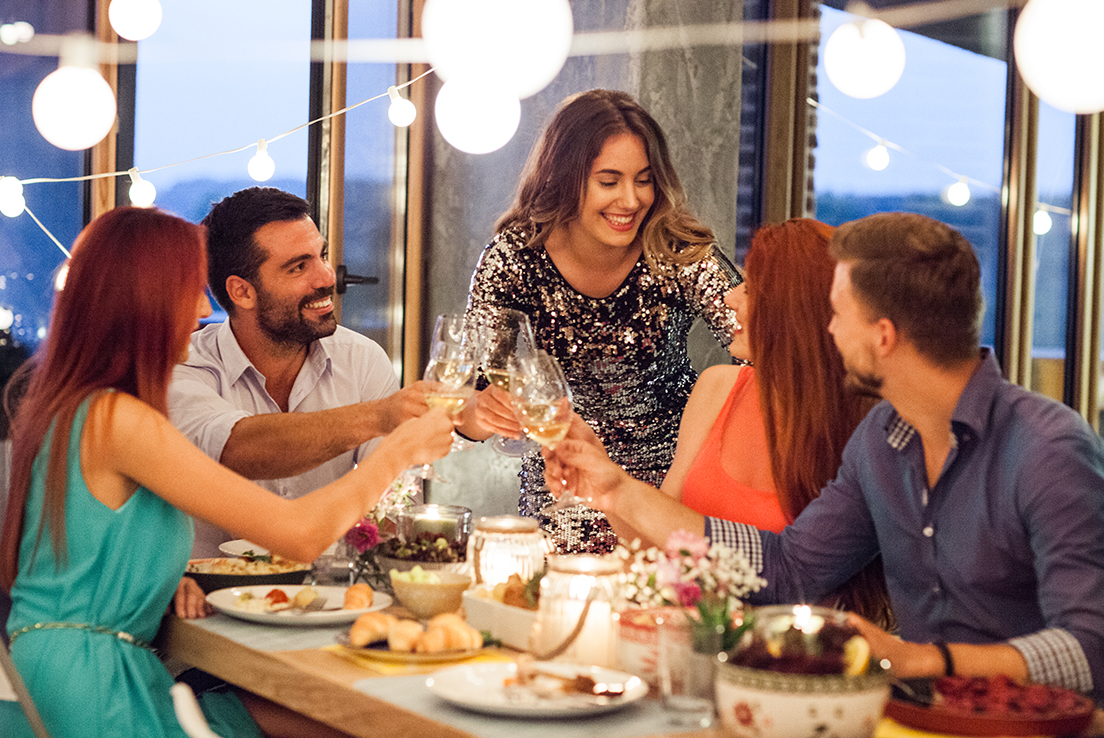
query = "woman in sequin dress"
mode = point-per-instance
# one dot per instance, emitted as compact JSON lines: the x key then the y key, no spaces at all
{"x":601,"y":252}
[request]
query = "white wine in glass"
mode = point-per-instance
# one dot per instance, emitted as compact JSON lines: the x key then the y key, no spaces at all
{"x":504,"y":335}
{"x":450,"y":373}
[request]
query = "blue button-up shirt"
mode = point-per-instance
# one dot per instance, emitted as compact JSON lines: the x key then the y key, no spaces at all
{"x":1008,"y":546}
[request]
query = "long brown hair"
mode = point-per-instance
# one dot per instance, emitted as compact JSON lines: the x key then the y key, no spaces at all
{"x":121,"y":322}
{"x":808,"y":410}
{"x":556,"y":174}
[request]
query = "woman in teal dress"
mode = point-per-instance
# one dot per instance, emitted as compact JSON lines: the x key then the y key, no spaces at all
{"x":98,"y":527}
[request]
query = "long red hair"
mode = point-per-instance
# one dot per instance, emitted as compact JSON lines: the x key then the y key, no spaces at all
{"x":121,"y":322}
{"x":808,"y":410}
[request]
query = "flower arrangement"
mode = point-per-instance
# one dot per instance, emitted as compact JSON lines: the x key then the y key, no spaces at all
{"x":365,"y":538}
{"x":689,"y":572}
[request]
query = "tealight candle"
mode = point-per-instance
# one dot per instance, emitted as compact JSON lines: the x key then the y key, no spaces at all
{"x":451,"y":522}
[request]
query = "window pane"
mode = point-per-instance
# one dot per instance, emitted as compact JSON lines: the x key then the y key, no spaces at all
{"x":217,"y":76}
{"x":369,"y":179}
{"x":944,"y":120}
{"x":1054,"y":188}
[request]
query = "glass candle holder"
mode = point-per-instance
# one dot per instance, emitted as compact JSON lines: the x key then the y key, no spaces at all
{"x":451,"y":522}
{"x":575,"y":621}
{"x":503,"y":545}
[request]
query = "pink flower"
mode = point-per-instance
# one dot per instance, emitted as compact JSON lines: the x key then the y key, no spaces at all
{"x":689,"y":593}
{"x":682,"y":543}
{"x":363,"y":536}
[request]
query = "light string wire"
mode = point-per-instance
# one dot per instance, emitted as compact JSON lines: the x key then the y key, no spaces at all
{"x":949,"y":172}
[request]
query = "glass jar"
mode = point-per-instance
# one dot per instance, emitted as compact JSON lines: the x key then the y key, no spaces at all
{"x":451,"y":522}
{"x":503,"y":545}
{"x":575,"y":620}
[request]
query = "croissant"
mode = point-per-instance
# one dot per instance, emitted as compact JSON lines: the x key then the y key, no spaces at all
{"x":358,"y":596}
{"x":404,"y":635}
{"x":371,"y":627}
{"x":449,"y":632}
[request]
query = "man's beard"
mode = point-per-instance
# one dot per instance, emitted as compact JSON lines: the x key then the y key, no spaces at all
{"x":286,"y":325}
{"x":867,"y":385}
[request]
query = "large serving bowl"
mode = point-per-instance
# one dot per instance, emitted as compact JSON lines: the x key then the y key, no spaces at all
{"x":427,"y":599}
{"x":210,"y":581}
{"x":757,"y":702}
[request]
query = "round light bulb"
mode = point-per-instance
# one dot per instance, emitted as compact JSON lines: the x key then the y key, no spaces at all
{"x":24,"y":31}
{"x":73,"y":108}
{"x":864,"y":59}
{"x":261,"y":167}
{"x":7,"y":318}
{"x":9,"y":34}
{"x":877,"y":158}
{"x":142,"y":193}
{"x":134,"y":19}
{"x":476,"y":118}
{"x":1041,"y":223}
{"x":13,"y":206}
{"x":957,"y":194}
{"x":1059,"y":54}
{"x":401,"y":112}
{"x":519,"y":44}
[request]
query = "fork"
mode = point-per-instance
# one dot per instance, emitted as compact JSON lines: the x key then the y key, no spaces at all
{"x":315,"y":605}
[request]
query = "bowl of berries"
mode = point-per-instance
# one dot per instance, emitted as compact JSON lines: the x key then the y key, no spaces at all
{"x":797,"y":671}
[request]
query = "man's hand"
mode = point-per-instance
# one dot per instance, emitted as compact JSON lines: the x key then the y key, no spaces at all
{"x":190,"y":602}
{"x":907,"y":660}
{"x":407,"y":403}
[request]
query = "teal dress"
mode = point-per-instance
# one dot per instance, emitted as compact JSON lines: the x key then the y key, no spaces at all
{"x":84,"y":674}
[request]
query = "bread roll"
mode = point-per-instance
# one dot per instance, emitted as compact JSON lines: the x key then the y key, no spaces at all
{"x":404,"y":636}
{"x":358,"y":596}
{"x":371,"y":627}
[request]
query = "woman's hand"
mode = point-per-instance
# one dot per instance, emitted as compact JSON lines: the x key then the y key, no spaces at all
{"x":421,"y":440}
{"x":580,"y":462}
{"x":494,"y":412}
{"x":189,"y":601}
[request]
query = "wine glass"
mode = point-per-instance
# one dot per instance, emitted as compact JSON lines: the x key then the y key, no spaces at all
{"x":450,"y":373}
{"x":542,"y":400}
{"x":504,"y":336}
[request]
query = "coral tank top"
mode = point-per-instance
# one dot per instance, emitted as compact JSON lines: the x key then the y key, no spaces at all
{"x":710,"y":490}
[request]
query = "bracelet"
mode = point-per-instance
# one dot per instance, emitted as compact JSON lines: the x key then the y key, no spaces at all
{"x":948,"y":661}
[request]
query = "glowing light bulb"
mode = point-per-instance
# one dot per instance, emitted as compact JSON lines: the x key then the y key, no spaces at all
{"x":142,"y":192}
{"x":1059,"y":55}
{"x":134,"y":19}
{"x":7,"y":318}
{"x":864,"y":59}
{"x":74,"y":108}
{"x":476,"y":118}
{"x":877,"y":158}
{"x":518,"y":44}
{"x":12,"y":203}
{"x":401,"y":112}
{"x":16,"y":33}
{"x":1041,"y":223}
{"x":957,"y":194}
{"x":261,"y":167}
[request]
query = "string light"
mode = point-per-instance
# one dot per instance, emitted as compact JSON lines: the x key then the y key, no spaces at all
{"x":134,"y":19}
{"x":12,"y":202}
{"x":957,"y":194}
{"x":7,"y":318}
{"x":73,"y":107}
{"x":19,"y":32}
{"x":864,"y":59}
{"x":1041,"y":223}
{"x":261,"y":167}
{"x":1059,"y":54}
{"x":476,"y":118}
{"x":142,"y":191}
{"x":401,"y":112}
{"x":877,"y":158}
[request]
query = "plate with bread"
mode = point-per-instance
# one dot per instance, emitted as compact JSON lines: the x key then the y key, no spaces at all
{"x":383,"y":637}
{"x":298,"y":604}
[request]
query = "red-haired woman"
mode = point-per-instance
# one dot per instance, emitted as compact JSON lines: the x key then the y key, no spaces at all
{"x":755,"y":445}
{"x":97,"y":530}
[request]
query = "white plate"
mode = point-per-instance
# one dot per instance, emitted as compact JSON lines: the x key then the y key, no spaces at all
{"x":482,"y":688}
{"x":240,"y":546}
{"x":226,"y":601}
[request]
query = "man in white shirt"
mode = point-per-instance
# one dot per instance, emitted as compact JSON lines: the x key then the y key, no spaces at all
{"x":279,"y":392}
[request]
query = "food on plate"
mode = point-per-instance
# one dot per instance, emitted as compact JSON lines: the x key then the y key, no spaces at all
{"x":514,"y":592}
{"x":531,"y":676}
{"x":425,"y":547}
{"x":275,"y":601}
{"x":358,"y":597}
{"x":277,"y":565}
{"x":277,"y":596}
{"x":416,"y":574}
{"x":834,"y":648}
{"x":1000,"y":696}
{"x":370,"y":628}
{"x":446,"y":632}
{"x":304,"y":597}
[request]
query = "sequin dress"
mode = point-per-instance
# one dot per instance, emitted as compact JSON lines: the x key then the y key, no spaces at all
{"x":624,"y":356}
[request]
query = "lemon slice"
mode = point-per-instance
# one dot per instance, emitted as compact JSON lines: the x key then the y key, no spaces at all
{"x":856,"y":654}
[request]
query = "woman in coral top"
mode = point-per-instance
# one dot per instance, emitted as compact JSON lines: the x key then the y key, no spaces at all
{"x":757,"y":443}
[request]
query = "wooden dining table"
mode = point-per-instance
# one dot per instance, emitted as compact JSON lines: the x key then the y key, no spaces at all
{"x":301,"y":668}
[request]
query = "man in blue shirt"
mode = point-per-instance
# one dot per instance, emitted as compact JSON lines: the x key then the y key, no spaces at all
{"x":986,"y":501}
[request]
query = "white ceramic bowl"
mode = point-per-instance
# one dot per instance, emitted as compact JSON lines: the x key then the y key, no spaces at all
{"x":753,"y":703}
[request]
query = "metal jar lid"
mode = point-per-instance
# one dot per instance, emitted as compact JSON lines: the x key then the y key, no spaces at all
{"x":507,"y":524}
